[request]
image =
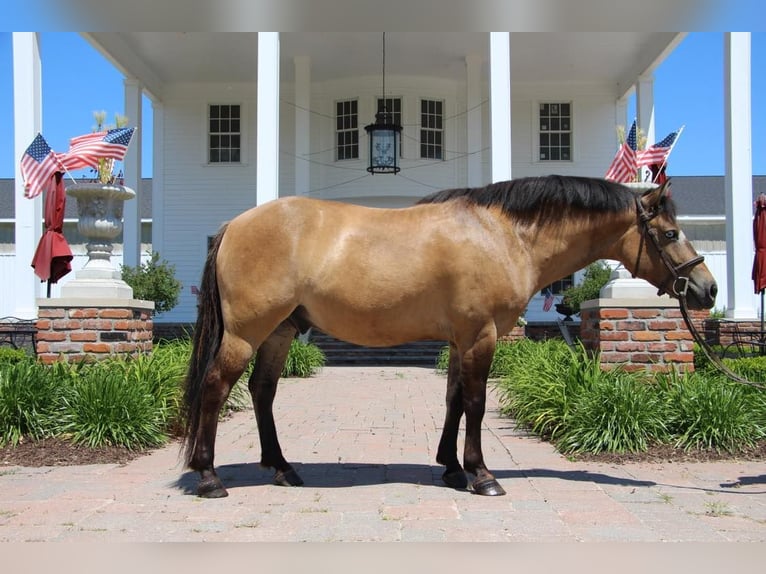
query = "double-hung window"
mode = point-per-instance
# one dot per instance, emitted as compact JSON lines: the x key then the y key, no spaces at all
{"x":346,"y":129}
{"x":224,"y":133}
{"x":431,"y":129}
{"x":555,"y":131}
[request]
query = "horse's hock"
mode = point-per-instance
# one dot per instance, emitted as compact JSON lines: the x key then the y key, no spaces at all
{"x":76,"y":330}
{"x":639,"y":334}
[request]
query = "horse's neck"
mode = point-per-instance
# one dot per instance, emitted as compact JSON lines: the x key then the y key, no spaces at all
{"x":571,"y":244}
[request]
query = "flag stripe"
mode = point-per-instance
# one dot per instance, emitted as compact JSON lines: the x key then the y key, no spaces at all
{"x":38,"y":164}
{"x":624,"y":165}
{"x":86,"y":150}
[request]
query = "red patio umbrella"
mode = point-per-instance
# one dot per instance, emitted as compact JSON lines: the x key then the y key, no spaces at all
{"x":759,"y":237}
{"x":53,"y":256}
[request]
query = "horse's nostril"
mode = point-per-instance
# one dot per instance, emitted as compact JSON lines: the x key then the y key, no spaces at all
{"x":713,"y":290}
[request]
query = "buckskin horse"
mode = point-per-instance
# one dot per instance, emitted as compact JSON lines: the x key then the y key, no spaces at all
{"x":460,"y":265}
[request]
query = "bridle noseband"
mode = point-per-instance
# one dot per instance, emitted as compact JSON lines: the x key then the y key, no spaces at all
{"x":680,"y":281}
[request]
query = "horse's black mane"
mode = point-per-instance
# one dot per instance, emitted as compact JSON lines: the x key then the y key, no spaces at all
{"x":544,"y":199}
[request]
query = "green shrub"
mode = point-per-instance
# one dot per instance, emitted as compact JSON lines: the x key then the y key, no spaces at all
{"x":620,"y":413}
{"x":539,"y":393}
{"x":596,"y":276}
{"x":30,"y":399}
{"x":303,"y":360}
{"x":9,"y":355}
{"x":713,"y":413}
{"x":154,"y":281}
{"x":108,"y":406}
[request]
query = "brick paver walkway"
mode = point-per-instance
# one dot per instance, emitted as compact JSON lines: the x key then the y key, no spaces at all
{"x":364,"y":441}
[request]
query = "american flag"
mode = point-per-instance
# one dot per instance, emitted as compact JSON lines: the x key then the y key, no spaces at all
{"x":548,"y":301}
{"x":657,"y":153}
{"x":38,"y":164}
{"x":624,"y":166}
{"x":86,"y":150}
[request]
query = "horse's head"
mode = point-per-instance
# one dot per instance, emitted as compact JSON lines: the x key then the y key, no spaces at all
{"x":663,"y":255}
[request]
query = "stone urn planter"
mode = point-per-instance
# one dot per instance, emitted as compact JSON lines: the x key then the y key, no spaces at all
{"x":99,"y":208}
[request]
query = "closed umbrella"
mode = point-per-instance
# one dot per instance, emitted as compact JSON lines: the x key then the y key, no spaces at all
{"x":53,"y":256}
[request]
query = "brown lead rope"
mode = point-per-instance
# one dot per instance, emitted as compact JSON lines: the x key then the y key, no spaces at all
{"x":709,"y":353}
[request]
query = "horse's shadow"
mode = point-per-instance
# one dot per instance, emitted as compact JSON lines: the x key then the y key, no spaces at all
{"x":345,"y":475}
{"x":745,"y":481}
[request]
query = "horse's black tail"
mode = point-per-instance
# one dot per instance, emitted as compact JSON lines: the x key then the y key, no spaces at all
{"x":208,"y":333}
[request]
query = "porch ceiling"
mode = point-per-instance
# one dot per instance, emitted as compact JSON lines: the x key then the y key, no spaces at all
{"x":161,"y":58}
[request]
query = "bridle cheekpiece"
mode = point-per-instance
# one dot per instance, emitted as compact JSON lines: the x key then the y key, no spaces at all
{"x":680,"y":280}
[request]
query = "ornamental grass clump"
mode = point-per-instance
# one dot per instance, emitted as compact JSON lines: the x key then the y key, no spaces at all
{"x":538,"y":387}
{"x":109,"y":406}
{"x":713,"y":413}
{"x":303,"y":360}
{"x":619,"y":413}
{"x":30,"y":398}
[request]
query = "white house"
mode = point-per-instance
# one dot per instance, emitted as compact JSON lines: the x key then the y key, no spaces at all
{"x":243,"y":118}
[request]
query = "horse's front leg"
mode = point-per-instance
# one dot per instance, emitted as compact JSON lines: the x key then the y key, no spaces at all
{"x":269,"y":363}
{"x":475,"y":368}
{"x":453,"y":476}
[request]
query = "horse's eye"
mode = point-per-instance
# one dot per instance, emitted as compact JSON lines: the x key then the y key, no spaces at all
{"x":671,"y":234}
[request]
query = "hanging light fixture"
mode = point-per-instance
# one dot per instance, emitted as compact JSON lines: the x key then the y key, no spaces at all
{"x":385,"y":135}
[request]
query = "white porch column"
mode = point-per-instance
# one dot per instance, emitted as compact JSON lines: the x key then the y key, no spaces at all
{"x":739,"y":176}
{"x":267,"y":154}
{"x":500,"y":104}
{"x":645,"y":107}
{"x":28,"y":120}
{"x":302,"y":124}
{"x":473,"y":64}
{"x":131,"y":215}
{"x":158,"y":177}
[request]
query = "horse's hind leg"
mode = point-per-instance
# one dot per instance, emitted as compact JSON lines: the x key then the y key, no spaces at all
{"x":263,"y":387}
{"x":453,"y":476}
{"x":229,"y":364}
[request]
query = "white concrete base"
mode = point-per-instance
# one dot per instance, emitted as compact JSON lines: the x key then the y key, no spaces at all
{"x":622,"y":286}
{"x":98,"y":280}
{"x":101,"y":303}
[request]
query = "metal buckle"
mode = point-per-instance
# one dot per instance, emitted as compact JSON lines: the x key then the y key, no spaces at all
{"x":682,"y":291}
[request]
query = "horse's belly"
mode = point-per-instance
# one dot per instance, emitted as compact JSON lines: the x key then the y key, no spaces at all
{"x":384,"y":326}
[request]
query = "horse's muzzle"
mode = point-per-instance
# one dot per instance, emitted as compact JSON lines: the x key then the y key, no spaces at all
{"x":699,"y":297}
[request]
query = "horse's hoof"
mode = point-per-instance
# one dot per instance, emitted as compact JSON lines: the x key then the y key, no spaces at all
{"x":455,"y":479}
{"x":287,"y":478}
{"x":487,"y":487}
{"x":211,"y":489}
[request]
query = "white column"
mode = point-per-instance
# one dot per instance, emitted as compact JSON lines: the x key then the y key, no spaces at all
{"x":267,"y":155}
{"x":473,"y":65}
{"x":621,"y":116}
{"x":645,"y":107}
{"x":302,"y":124}
{"x":500,"y":104}
{"x":28,"y":120}
{"x":158,"y":178}
{"x":131,"y":231}
{"x":739,"y":176}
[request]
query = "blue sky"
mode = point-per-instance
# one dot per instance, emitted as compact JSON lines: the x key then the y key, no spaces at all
{"x":687,"y":91}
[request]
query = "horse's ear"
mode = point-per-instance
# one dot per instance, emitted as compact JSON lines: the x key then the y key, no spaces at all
{"x":653,"y":197}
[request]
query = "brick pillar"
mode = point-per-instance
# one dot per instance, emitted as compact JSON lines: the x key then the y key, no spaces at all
{"x":75,"y":329}
{"x":639,"y":334}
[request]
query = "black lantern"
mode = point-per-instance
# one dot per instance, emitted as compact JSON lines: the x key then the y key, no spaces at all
{"x":384,"y":144}
{"x":384,"y":134}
